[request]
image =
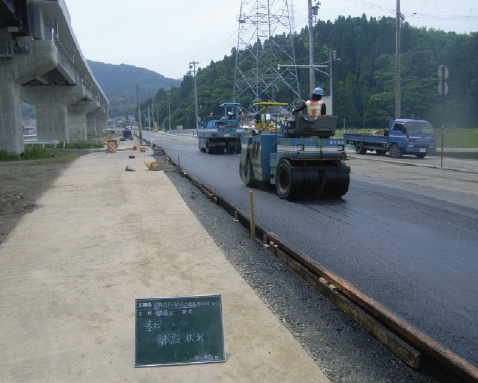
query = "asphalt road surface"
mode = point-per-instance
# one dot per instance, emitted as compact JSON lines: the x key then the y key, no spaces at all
{"x":404,"y":235}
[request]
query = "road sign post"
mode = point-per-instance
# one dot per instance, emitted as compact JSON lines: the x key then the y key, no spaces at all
{"x":442,"y":90}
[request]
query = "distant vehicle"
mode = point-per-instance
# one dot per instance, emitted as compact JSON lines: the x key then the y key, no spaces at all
{"x":221,"y":134}
{"x":297,"y":155}
{"x":127,"y":134}
{"x":404,"y":136}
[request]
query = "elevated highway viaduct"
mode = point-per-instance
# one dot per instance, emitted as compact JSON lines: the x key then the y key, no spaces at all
{"x":41,"y":63}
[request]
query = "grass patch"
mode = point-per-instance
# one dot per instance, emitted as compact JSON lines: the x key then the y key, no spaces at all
{"x":33,"y":153}
{"x":4,"y":156}
{"x":36,"y":152}
{"x":40,"y":156}
{"x":458,"y":138}
{"x":83,"y":145}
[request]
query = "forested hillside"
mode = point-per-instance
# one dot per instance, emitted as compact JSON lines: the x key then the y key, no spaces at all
{"x":364,"y":75}
{"x":119,"y":84}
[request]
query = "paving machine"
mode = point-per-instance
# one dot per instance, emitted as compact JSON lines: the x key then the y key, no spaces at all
{"x":297,"y":154}
{"x":221,"y":134}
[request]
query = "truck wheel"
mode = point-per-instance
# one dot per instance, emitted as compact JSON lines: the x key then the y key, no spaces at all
{"x":287,"y":183}
{"x":209,"y":150}
{"x":359,"y":149}
{"x":395,"y":151}
{"x":246,"y":173}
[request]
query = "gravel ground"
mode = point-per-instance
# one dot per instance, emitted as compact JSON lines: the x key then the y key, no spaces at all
{"x":345,"y":351}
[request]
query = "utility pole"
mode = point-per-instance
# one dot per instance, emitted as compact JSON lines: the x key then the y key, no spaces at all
{"x":139,"y":115}
{"x":443,"y":91}
{"x":397,"y":74}
{"x":329,"y":64}
{"x":312,"y":11}
{"x":192,"y":65}
{"x":332,"y":58}
{"x":168,"y":93}
{"x":152,"y":110}
{"x":311,"y":50}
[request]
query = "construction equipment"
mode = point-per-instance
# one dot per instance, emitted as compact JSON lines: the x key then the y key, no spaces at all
{"x":221,"y":134}
{"x":301,"y":158}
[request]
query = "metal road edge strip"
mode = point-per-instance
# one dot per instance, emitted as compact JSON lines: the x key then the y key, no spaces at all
{"x":396,"y":324}
{"x":455,"y":366}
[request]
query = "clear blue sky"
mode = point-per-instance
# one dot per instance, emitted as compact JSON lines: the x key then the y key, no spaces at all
{"x":165,"y":35}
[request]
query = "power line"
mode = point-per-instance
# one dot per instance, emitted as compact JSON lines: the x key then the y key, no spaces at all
{"x":442,"y":17}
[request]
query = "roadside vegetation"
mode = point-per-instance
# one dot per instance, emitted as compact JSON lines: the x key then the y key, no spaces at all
{"x":458,"y":138}
{"x":83,"y":145}
{"x":364,"y":77}
{"x":49,"y":154}
{"x":42,"y":156}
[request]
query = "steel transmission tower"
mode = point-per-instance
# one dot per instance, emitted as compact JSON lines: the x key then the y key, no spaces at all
{"x":265,"y":41}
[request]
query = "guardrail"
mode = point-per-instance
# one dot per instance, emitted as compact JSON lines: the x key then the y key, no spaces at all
{"x":41,"y":142}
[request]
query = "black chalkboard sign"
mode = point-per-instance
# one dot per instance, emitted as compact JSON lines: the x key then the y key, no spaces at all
{"x":180,"y":330}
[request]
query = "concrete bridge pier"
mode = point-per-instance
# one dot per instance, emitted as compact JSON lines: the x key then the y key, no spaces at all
{"x":77,"y":120}
{"x":94,"y":121}
{"x":16,"y":69}
{"x":101,"y":120}
{"x":11,"y":134}
{"x":51,"y":109}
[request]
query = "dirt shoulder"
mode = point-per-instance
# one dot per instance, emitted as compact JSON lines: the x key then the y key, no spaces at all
{"x":22,"y":182}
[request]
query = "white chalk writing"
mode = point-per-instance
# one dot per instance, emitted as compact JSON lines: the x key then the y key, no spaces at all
{"x":206,"y":357}
{"x":151,"y":326}
{"x":172,"y":339}
{"x":184,"y":305}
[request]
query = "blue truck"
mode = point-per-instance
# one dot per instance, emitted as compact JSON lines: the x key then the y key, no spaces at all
{"x":404,"y":136}
{"x":301,"y":158}
{"x":221,"y":134}
{"x":127,"y":134}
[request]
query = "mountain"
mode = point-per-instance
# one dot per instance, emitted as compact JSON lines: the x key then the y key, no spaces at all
{"x":119,"y":85}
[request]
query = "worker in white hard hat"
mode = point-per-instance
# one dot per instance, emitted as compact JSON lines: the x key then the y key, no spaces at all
{"x":315,"y":106}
